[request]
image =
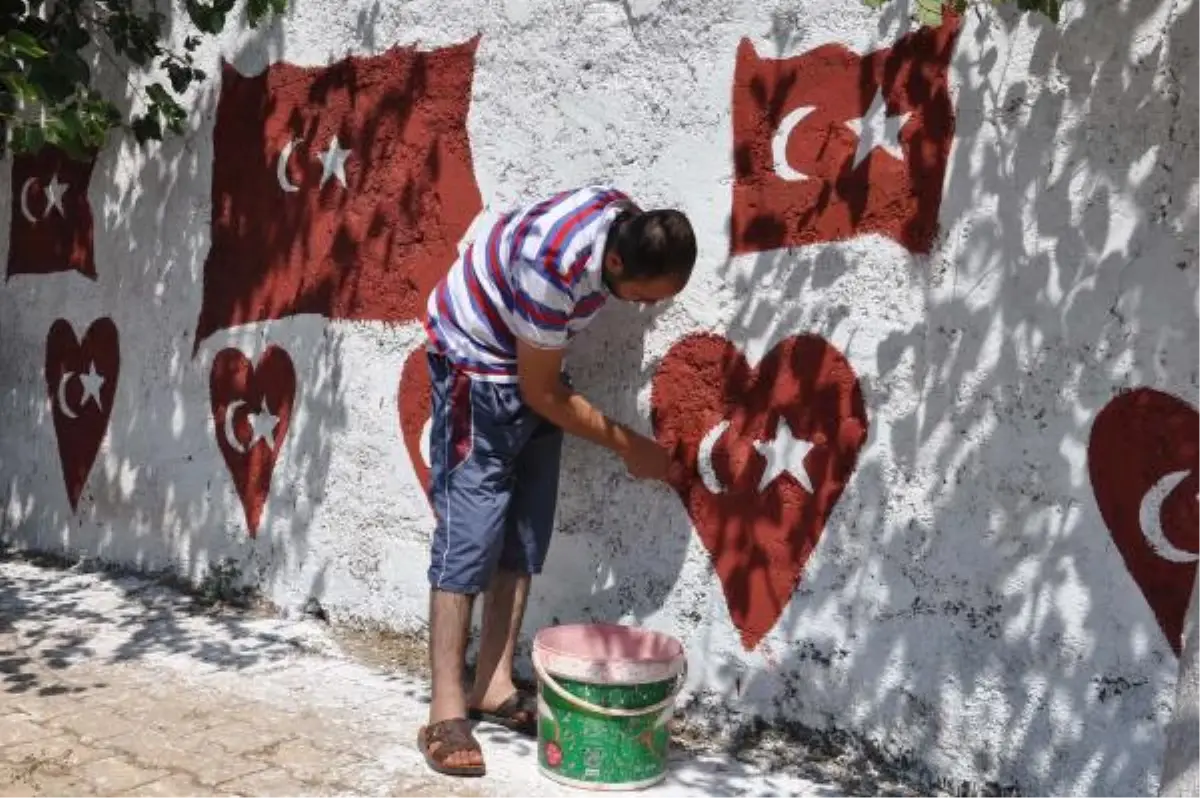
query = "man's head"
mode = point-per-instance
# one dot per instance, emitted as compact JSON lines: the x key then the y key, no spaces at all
{"x":649,"y":256}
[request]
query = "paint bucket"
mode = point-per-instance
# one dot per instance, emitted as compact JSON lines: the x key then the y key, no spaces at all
{"x":605,"y":694}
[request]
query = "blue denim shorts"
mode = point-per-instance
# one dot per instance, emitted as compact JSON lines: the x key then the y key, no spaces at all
{"x":493,"y":480}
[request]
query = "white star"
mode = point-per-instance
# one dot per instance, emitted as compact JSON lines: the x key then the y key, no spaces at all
{"x":262,"y":426}
{"x":91,"y":382}
{"x":333,"y":162}
{"x":54,"y":195}
{"x":877,"y":129}
{"x":784,"y":453}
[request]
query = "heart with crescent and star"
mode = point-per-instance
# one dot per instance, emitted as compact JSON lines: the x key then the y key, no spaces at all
{"x":766,"y":454}
{"x":252,"y":408}
{"x":81,"y":381}
{"x":1144,"y":466}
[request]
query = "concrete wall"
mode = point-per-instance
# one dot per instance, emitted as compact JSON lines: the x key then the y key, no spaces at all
{"x":984,"y":327}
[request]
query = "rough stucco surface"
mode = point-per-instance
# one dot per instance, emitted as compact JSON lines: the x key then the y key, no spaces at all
{"x":965,"y":605}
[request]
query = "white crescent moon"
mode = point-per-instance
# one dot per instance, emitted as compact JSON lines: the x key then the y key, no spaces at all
{"x":281,"y":167}
{"x":230,"y":436}
{"x":708,"y":474}
{"x":1149,"y":515}
{"x":29,"y":181}
{"x":62,"y":395}
{"x":780,"y":141}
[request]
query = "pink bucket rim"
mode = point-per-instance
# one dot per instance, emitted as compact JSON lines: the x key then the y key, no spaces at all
{"x":608,"y":642}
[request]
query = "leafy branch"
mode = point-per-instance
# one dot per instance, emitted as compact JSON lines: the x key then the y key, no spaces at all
{"x":929,"y":12}
{"x":46,"y":91}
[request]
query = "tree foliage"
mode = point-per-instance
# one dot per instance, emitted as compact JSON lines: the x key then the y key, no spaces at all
{"x":47,"y":50}
{"x":929,"y":12}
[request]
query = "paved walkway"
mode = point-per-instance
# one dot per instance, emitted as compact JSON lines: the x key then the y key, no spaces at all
{"x":119,"y":686}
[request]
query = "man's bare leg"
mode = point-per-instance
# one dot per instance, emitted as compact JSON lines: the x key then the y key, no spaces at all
{"x":450,"y":619}
{"x":503,"y":611}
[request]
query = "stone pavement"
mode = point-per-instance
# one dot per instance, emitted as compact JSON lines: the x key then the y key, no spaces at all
{"x":120,"y":686}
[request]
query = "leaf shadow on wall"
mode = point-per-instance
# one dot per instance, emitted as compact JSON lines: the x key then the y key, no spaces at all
{"x":159,"y":495}
{"x":949,"y":593}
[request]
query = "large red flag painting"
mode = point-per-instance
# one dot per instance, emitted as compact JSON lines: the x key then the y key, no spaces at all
{"x":831,"y":144}
{"x":340,"y":190}
{"x":51,"y":228}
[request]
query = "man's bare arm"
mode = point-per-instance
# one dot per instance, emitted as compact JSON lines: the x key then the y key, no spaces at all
{"x":539,"y":371}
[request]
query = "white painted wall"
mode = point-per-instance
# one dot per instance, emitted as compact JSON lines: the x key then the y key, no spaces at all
{"x":966,"y":604}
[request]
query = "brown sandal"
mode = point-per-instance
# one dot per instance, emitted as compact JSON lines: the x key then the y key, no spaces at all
{"x":518,"y":712}
{"x":449,"y":737}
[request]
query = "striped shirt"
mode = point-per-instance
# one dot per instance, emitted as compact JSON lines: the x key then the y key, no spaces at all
{"x":534,"y":274}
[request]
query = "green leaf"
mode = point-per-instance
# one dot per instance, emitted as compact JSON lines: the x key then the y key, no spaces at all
{"x":28,"y":138}
{"x":49,"y":83}
{"x":929,"y":12}
{"x":256,"y":10}
{"x":21,"y":43}
{"x":75,"y":37}
{"x":157,"y":94}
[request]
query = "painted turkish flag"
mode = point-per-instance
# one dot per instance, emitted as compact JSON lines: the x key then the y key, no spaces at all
{"x":51,"y":229}
{"x":831,"y":144}
{"x":81,"y":382}
{"x":341,"y":190}
{"x":766,"y":453}
{"x":252,"y":408}
{"x":1144,"y":465}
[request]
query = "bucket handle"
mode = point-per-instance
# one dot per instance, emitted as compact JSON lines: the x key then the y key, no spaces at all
{"x":615,"y":712}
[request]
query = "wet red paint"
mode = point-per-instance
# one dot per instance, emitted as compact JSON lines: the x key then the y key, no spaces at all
{"x":759,"y":542}
{"x":68,"y":357}
{"x":238,"y":389}
{"x":371,"y":249}
{"x":836,"y":200}
{"x":52,"y":238}
{"x":1139,"y":438}
{"x":413,"y":401}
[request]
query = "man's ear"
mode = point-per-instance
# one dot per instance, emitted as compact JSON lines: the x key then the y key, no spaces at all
{"x":614,"y":265}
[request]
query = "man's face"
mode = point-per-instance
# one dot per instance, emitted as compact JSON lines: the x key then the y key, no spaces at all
{"x":645,"y":292}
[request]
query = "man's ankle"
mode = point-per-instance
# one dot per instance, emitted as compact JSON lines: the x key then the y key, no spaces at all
{"x":447,"y":710}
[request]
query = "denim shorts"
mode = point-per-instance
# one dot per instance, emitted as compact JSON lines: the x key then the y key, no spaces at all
{"x":493,"y":480}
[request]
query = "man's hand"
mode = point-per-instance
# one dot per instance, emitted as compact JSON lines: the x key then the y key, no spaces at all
{"x":539,"y":372}
{"x":646,"y":459}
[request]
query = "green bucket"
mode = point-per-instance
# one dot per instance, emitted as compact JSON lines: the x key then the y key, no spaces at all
{"x":605,"y":694}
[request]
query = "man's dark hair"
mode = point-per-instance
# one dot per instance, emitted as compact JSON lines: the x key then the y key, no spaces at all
{"x":656,"y":244}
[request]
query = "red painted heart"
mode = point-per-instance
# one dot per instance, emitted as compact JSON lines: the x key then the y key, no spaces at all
{"x":251,"y":409}
{"x":413,"y":402}
{"x":81,"y":380}
{"x":765,"y":456}
{"x":1144,"y":465}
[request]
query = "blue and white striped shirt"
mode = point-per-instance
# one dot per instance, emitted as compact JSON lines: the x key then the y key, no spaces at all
{"x":535,"y":274}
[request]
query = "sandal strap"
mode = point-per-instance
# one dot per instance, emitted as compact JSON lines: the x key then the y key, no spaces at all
{"x":450,"y":736}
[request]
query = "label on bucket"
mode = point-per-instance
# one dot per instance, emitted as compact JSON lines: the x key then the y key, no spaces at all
{"x":576,"y":745}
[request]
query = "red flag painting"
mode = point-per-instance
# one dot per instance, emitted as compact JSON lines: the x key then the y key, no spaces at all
{"x":81,"y":381}
{"x":340,"y":190}
{"x":830,"y":144}
{"x":1144,"y":464}
{"x":51,"y":228}
{"x":252,"y":409}
{"x":766,"y":454}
